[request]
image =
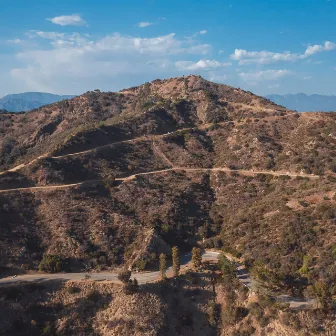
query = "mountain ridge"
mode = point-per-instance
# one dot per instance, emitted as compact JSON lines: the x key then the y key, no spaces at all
{"x":113,"y":179}
{"x":302,"y":102}
{"x":20,"y":102}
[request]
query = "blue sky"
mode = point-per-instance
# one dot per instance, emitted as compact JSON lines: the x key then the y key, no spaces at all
{"x":69,"y":47}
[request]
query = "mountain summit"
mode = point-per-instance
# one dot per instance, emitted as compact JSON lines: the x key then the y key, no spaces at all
{"x":111,"y":180}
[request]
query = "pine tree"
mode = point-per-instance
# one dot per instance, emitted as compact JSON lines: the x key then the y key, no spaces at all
{"x":196,"y":258}
{"x":163,"y":265}
{"x":176,"y":261}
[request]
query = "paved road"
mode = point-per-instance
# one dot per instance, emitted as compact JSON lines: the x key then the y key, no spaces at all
{"x":143,"y":277}
{"x":147,"y":277}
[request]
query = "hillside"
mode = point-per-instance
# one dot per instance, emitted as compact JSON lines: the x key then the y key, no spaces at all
{"x":29,"y":100}
{"x":106,"y":180}
{"x":305,"y":103}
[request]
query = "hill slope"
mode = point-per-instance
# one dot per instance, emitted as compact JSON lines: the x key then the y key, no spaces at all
{"x":29,"y":100}
{"x":305,"y":103}
{"x":192,"y":159}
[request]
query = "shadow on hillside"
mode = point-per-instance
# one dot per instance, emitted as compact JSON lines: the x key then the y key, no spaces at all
{"x":28,"y":309}
{"x":182,"y":301}
{"x":14,"y":180}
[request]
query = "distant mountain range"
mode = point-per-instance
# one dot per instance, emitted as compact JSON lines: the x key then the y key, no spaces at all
{"x":29,"y":100}
{"x":305,"y":103}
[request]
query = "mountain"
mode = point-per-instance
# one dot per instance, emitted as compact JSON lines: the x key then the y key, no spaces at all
{"x":110,"y":180}
{"x":304,"y":103}
{"x":29,"y":101}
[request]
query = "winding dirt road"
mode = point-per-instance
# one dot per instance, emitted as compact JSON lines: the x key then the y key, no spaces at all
{"x":132,"y":177}
{"x":145,"y":137}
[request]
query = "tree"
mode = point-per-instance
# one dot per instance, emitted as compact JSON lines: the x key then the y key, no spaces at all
{"x":109,"y":180}
{"x":130,"y":286}
{"x":163,"y":265}
{"x":124,"y":276}
{"x":176,"y":261}
{"x":307,"y":260}
{"x":51,"y":263}
{"x":322,"y":295}
{"x":196,"y":258}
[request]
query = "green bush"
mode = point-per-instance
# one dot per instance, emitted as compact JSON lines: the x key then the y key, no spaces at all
{"x":51,"y":264}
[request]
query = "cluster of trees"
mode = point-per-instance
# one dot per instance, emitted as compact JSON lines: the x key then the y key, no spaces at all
{"x":131,"y":286}
{"x":51,"y":263}
{"x":196,"y":259}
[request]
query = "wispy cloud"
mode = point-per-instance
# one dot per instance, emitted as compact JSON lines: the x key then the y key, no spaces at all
{"x":200,"y":65}
{"x":267,"y":75}
{"x":15,"y":41}
{"x":266,"y":57}
{"x":68,"y":20}
{"x":45,"y":35}
{"x":144,"y":24}
{"x":61,"y":61}
{"x":275,"y":86}
{"x":203,"y":32}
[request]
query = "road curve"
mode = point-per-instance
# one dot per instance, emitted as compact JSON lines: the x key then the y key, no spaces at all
{"x":148,"y":277}
{"x":142,"y":277}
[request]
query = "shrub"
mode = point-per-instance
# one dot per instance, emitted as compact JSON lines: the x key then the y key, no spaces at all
{"x":109,"y":181}
{"x":73,"y":290}
{"x":131,"y":287}
{"x":213,"y":312}
{"x":124,"y":276}
{"x":284,"y":177}
{"x":51,"y":264}
{"x":256,"y":310}
{"x":94,"y":296}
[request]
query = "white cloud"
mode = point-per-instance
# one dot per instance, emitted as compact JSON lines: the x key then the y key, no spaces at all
{"x":74,"y":62}
{"x":267,"y":75}
{"x":262,"y":57}
{"x":200,"y":65}
{"x":45,"y":35}
{"x":266,"y":57}
{"x":307,"y":77}
{"x":328,"y":46}
{"x":275,"y":86}
{"x":203,"y":32}
{"x":68,"y":20}
{"x":59,"y":39}
{"x":15,"y":41}
{"x":217,"y":77}
{"x":144,"y":24}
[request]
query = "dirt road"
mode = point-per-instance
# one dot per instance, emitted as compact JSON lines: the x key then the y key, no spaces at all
{"x":131,"y":177}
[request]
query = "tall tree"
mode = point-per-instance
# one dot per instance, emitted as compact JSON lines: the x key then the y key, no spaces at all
{"x":163,"y":265}
{"x":196,"y":257}
{"x":176,"y":261}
